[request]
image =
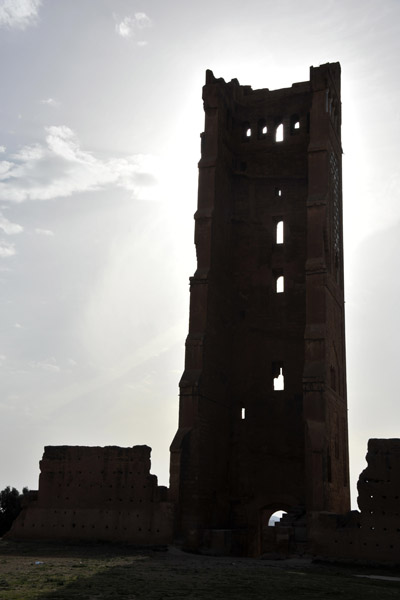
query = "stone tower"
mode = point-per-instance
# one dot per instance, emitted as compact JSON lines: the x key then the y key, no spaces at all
{"x":263,"y":410}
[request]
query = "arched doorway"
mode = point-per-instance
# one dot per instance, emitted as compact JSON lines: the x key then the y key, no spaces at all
{"x":269,"y":517}
{"x":276,"y":517}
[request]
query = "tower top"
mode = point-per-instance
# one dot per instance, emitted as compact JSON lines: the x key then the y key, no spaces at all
{"x":327,"y":70}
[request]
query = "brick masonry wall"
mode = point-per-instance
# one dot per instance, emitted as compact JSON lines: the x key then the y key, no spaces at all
{"x":93,"y":493}
{"x":373,"y":533}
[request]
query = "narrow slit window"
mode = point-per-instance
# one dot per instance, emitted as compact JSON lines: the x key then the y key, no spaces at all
{"x":264,"y":130}
{"x":278,"y":192}
{"x":243,"y":414}
{"x":296,"y":125}
{"x":280,"y":285}
{"x":279,"y":133}
{"x":279,"y":381}
{"x":248,"y":132}
{"x":279,"y":232}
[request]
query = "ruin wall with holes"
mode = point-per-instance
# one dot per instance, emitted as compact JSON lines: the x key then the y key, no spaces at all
{"x":373,"y":532}
{"x":97,"y":494}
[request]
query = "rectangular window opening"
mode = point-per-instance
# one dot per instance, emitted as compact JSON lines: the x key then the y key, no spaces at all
{"x":279,"y":133}
{"x":243,"y":414}
{"x":279,"y":232}
{"x":278,"y":378}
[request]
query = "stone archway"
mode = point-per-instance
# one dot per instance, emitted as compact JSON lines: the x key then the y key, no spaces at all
{"x":268,"y":532}
{"x":276,"y":517}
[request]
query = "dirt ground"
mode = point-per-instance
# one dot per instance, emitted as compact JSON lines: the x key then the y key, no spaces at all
{"x":32,"y":571}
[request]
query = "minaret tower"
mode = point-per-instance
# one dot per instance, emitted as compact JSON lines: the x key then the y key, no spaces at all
{"x":263,"y":410}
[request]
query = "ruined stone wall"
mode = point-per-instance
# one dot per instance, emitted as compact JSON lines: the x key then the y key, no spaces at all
{"x":93,"y":493}
{"x":372,"y":534}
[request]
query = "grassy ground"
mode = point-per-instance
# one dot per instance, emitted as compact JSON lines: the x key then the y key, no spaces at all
{"x":43,"y":571}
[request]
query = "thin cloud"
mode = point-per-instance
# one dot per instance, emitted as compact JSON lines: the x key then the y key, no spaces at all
{"x":8,"y":227}
{"x":5,"y":168}
{"x":2,"y":149}
{"x":48,"y":364}
{"x":129,"y":25}
{"x":142,"y":20}
{"x":6,"y":249}
{"x":47,"y":232}
{"x":124,"y":28}
{"x":27,"y":153}
{"x":59,"y":168}
{"x":19,"y":14}
{"x":50,"y":102}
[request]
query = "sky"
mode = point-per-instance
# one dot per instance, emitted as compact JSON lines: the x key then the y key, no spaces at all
{"x":100,"y":116}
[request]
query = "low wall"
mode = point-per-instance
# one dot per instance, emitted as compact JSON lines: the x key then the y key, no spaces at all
{"x":373,"y":533}
{"x":97,"y":494}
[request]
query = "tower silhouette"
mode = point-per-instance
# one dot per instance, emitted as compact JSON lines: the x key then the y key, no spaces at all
{"x":263,"y":409}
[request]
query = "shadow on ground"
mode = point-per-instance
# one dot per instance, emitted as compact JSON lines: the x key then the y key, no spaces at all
{"x":44,"y":572}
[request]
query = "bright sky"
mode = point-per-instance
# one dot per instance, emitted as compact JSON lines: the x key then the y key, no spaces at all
{"x":100,"y":116}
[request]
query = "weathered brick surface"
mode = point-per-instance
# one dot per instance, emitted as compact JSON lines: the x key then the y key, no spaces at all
{"x":230,"y":473}
{"x":373,"y":533}
{"x":93,"y":493}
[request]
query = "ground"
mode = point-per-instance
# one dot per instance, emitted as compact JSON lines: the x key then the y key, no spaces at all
{"x":33,"y":571}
